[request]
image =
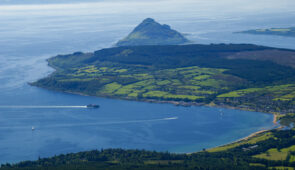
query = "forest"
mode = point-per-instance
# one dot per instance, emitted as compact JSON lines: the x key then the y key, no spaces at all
{"x":270,"y":150}
{"x":190,"y":74}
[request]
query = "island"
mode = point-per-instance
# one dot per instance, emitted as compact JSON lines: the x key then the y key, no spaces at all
{"x":150,"y":32}
{"x":288,"y":32}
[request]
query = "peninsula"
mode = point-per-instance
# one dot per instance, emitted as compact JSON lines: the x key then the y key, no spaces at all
{"x":235,"y":75}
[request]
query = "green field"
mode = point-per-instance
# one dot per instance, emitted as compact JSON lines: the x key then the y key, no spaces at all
{"x":278,"y":155}
{"x":251,"y":141}
{"x":280,"y":92}
{"x":185,"y":84}
{"x":277,"y":98}
{"x":197,"y":74}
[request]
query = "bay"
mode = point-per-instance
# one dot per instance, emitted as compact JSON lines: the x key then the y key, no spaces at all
{"x":32,"y":33}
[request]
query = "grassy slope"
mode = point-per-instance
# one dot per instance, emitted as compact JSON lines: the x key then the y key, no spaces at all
{"x":191,"y":73}
{"x":277,"y":155}
{"x":187,"y":83}
{"x":252,"y":141}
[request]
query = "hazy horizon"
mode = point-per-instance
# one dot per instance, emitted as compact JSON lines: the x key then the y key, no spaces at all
{"x":215,"y":6}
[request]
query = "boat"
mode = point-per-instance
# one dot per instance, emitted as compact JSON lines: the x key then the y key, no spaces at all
{"x":33,"y":128}
{"x":92,"y":106}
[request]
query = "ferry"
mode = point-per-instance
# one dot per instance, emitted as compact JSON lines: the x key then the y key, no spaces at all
{"x":92,"y":106}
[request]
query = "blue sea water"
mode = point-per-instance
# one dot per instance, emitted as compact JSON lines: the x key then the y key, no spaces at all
{"x":32,"y":33}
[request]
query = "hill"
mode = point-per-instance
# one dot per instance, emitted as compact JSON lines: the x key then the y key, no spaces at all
{"x":224,"y":74}
{"x":150,"y":32}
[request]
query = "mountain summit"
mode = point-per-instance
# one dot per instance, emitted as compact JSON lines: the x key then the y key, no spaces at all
{"x":150,"y":32}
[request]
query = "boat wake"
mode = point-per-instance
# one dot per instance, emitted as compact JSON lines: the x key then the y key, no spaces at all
{"x":89,"y":124}
{"x":113,"y":123}
{"x":41,"y":107}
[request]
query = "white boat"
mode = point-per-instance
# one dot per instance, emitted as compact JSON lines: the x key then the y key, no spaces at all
{"x":33,"y":128}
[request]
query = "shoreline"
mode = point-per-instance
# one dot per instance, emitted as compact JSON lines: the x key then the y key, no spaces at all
{"x":241,"y":139}
{"x":260,"y":131}
{"x":189,"y":104}
{"x":176,"y":103}
{"x":254,"y":134}
{"x":251,"y":135}
{"x":275,"y":119}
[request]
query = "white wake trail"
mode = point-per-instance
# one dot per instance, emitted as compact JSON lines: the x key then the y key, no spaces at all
{"x":112,"y":123}
{"x":87,"y":124}
{"x":40,"y":107}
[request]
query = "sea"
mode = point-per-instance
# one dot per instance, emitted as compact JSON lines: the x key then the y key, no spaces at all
{"x":35,"y":122}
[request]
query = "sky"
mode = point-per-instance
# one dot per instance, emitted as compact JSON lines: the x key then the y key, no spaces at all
{"x":220,"y":7}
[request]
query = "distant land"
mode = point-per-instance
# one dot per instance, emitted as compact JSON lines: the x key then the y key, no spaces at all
{"x":150,"y":32}
{"x":289,"y":32}
{"x":245,"y":76}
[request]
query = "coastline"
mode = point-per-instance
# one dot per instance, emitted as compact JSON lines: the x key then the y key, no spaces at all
{"x":254,"y":134}
{"x":275,"y":119}
{"x":188,"y":104}
{"x":251,"y":135}
{"x":260,"y":131}
{"x":176,"y":103}
{"x":241,"y":139}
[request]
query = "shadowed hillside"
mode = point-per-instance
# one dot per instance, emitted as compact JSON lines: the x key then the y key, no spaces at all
{"x":149,"y":32}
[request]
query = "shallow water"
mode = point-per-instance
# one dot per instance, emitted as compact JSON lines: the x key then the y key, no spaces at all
{"x":31,"y":34}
